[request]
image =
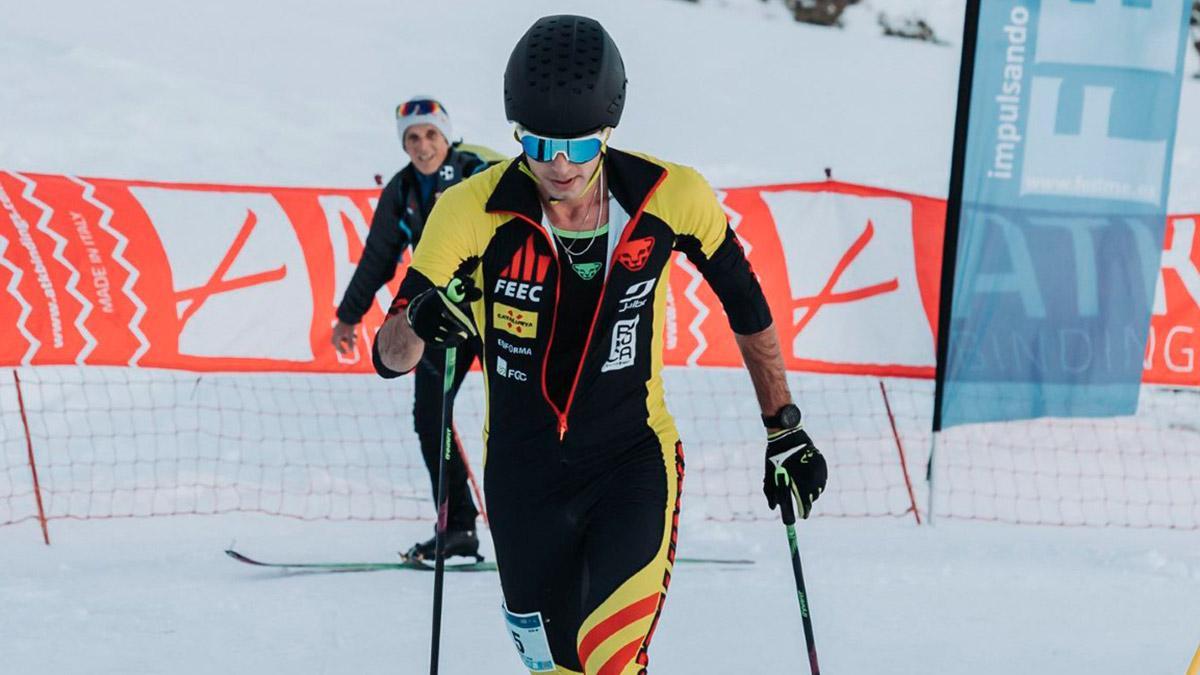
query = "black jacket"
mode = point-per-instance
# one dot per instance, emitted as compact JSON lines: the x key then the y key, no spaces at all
{"x":398,"y":223}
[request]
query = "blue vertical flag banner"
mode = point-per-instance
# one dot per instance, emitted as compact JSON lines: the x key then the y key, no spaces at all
{"x":1069,"y":137}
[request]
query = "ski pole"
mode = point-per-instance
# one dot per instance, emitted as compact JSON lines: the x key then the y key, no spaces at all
{"x":455,"y":292}
{"x":787,"y":512}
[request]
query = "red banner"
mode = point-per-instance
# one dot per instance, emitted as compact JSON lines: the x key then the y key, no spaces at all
{"x":1174,"y":343}
{"x":238,"y":278}
{"x":198,"y":277}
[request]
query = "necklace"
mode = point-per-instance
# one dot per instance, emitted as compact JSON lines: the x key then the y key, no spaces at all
{"x":571,"y":254}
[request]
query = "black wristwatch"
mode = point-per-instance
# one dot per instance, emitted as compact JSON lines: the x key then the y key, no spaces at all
{"x":786,"y":417}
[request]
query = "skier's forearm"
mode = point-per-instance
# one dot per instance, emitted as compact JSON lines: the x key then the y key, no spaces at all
{"x":357,"y":298}
{"x":398,"y":346}
{"x":764,"y":361}
{"x":376,"y":267}
{"x":386,"y":241}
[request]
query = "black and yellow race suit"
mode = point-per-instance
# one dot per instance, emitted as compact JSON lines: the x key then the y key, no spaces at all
{"x":583,"y":465}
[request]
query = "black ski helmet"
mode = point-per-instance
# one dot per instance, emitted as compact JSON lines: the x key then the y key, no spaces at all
{"x":565,"y":78}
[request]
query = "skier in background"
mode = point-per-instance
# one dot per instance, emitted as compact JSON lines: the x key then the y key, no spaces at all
{"x":437,"y":162}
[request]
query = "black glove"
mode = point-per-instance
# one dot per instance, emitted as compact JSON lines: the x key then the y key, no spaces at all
{"x":803,"y":469}
{"x":441,"y":317}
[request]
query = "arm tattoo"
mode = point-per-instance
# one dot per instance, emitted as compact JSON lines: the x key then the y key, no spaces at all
{"x":764,"y":361}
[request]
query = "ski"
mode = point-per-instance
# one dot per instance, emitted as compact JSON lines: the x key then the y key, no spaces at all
{"x":733,"y":562}
{"x":419,"y":565}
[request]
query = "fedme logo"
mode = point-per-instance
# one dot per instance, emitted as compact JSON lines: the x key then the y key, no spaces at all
{"x":1095,"y":67}
{"x":1087,"y":111}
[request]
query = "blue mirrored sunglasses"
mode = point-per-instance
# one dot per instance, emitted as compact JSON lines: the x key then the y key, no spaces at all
{"x":576,"y":150}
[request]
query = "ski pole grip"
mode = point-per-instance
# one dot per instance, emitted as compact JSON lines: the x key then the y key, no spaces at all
{"x":454,"y":290}
{"x":787,"y":509}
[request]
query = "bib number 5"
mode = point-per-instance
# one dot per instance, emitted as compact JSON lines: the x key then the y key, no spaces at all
{"x":529,"y":637}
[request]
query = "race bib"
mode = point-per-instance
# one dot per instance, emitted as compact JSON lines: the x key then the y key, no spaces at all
{"x":529,"y":637}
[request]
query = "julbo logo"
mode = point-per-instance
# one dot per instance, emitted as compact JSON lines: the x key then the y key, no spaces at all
{"x":635,"y":295}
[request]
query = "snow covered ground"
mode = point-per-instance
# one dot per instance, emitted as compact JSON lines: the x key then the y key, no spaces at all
{"x":273,"y":92}
{"x":158,"y":596}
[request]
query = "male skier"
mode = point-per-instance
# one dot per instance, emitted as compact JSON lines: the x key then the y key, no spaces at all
{"x":567,"y":248}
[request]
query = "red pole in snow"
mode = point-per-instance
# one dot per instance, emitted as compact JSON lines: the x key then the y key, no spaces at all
{"x":900,"y":447}
{"x":37,"y":487}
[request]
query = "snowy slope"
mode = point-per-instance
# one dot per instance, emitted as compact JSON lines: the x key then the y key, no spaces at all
{"x":886,"y":597}
{"x":275,"y":92}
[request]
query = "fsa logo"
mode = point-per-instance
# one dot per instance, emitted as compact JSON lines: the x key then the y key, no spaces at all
{"x":623,"y":351}
{"x":636,"y":295}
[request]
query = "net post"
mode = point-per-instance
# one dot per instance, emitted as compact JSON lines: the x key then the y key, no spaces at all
{"x":912,"y":499}
{"x":37,"y":487}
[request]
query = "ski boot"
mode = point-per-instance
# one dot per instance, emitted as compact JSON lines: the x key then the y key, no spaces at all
{"x":456,"y":543}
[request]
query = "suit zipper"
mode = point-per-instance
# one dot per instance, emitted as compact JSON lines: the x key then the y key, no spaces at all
{"x":629,"y":228}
